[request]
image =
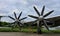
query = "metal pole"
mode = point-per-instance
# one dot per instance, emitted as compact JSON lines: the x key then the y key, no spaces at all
{"x":39,"y":27}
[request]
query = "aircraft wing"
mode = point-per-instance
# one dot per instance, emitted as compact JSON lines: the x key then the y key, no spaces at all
{"x":54,"y":20}
{"x":2,"y":16}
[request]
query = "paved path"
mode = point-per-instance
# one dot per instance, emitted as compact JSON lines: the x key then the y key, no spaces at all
{"x":25,"y":34}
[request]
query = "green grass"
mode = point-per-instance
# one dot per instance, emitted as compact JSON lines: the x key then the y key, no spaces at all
{"x":27,"y":30}
{"x":9,"y":30}
{"x":51,"y":31}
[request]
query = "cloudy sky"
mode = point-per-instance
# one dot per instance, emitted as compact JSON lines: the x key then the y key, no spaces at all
{"x":7,"y":7}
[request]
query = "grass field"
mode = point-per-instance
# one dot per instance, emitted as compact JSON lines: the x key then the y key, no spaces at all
{"x":27,"y":30}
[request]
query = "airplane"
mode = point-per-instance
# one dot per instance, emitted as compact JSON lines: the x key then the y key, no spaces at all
{"x":40,"y":19}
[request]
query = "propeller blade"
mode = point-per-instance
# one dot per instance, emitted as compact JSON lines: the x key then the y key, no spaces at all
{"x":12,"y":24}
{"x":42,"y":12}
{"x":36,"y":10}
{"x":19,"y":15}
{"x":34,"y":22}
{"x":23,"y":18}
{"x":15,"y":15}
{"x":20,"y":24}
{"x":45,"y":24}
{"x":33,"y":16}
{"x":11,"y":17}
{"x":48,"y":13}
{"x":15,"y":23}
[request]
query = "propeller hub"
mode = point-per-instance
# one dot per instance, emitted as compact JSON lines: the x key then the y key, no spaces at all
{"x":17,"y":20}
{"x":41,"y":18}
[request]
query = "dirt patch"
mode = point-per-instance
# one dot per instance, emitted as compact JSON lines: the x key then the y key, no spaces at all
{"x":25,"y":34}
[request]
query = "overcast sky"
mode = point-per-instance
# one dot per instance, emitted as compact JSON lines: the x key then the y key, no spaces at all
{"x":7,"y":7}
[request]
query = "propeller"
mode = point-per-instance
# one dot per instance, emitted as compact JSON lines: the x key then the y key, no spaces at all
{"x":17,"y":21}
{"x":41,"y":17}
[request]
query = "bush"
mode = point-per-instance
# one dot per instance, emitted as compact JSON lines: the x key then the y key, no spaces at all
{"x":3,"y":23}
